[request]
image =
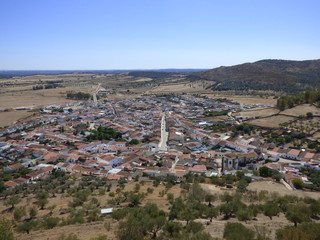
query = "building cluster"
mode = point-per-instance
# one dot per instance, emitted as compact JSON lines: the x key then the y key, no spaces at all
{"x":57,"y":140}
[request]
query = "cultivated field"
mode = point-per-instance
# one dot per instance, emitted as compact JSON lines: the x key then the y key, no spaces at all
{"x":308,"y":126}
{"x":271,"y":122}
{"x":217,"y":226}
{"x":108,"y":226}
{"x":88,"y":230}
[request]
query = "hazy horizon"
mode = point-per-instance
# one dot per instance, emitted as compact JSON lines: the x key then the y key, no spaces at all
{"x":145,"y":35}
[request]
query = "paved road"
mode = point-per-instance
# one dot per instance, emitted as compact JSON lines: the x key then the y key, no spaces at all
{"x":94,"y":94}
{"x":114,"y":111}
{"x":176,"y":161}
{"x":164,"y":135}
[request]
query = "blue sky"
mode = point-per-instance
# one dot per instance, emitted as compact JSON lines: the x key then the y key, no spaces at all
{"x":151,"y":34}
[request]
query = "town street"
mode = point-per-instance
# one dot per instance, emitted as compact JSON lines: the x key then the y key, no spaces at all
{"x":164,"y":135}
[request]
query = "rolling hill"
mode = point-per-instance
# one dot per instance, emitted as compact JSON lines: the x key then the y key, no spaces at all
{"x":277,"y":75}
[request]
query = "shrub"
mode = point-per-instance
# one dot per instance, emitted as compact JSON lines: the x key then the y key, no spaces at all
{"x":237,"y":231}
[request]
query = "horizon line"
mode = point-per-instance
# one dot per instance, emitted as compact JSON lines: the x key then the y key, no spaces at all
{"x":123,"y":69}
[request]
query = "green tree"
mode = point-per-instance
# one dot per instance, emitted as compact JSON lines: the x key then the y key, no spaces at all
{"x":315,"y":208}
{"x":298,"y":233}
{"x":276,"y":175}
{"x":271,"y":209}
{"x":42,"y":199}
{"x":130,"y":229}
{"x":298,"y":214}
{"x":172,"y":228}
{"x":12,"y":201}
{"x":201,"y":236}
{"x":229,"y":208}
{"x":135,"y":198}
{"x":265,"y":172}
{"x":133,"y":142}
{"x":50,"y":222}
{"x":27,"y":226}
{"x":187,"y":214}
{"x":33,"y":212}
{"x":242,"y":186}
{"x":194,"y":227}
{"x":297,"y":183}
{"x":137,"y":188}
{"x":312,"y":145}
{"x":237,"y":231}
{"x":150,"y":190}
{"x":211,"y":212}
{"x":42,"y":203}
{"x":244,"y":214}
{"x":309,"y":115}
{"x":197,"y":193}
{"x":170,"y":198}
{"x":177,"y":207}
{"x":210,"y":198}
{"x":19,"y":212}
{"x":226,"y":198}
{"x":154,"y":223}
{"x":6,"y":232}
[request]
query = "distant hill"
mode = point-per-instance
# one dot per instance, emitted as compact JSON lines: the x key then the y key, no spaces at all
{"x":145,"y":73}
{"x":277,"y":75}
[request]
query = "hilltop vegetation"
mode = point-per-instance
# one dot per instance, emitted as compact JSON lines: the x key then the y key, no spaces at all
{"x":150,"y":74}
{"x":276,"y":75}
{"x":310,"y":97}
{"x":103,"y":133}
{"x":78,"y":95}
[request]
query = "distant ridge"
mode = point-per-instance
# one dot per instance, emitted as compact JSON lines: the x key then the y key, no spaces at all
{"x":270,"y":74}
{"x":13,"y":73}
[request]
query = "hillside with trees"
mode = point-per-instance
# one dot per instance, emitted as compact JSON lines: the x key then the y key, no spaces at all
{"x":275,"y":75}
{"x":155,"y":208}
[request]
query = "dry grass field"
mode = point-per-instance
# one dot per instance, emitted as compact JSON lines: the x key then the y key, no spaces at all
{"x":257,"y":113}
{"x":193,"y":87}
{"x":253,"y":100}
{"x":82,"y":231}
{"x":271,"y":122}
{"x":144,"y":80}
{"x":7,"y":118}
{"x":34,"y":98}
{"x":280,"y":189}
{"x":31,"y":99}
{"x":302,"y":110}
{"x":249,"y":99}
